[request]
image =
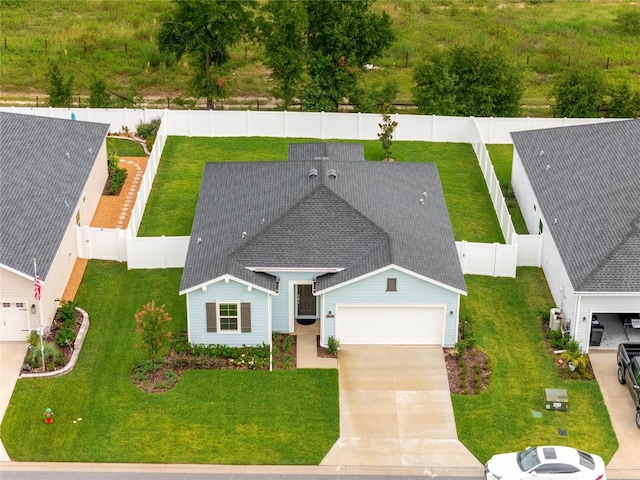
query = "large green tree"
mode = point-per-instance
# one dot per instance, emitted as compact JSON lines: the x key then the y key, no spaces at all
{"x":281,"y":32}
{"x":205,"y":31}
{"x":330,"y":41}
{"x":468,"y":80}
{"x":579,"y":92}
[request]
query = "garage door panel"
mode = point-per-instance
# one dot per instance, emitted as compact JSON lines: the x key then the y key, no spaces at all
{"x":390,"y":325}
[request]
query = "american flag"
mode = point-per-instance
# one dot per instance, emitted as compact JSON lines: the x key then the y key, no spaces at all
{"x":37,"y":287}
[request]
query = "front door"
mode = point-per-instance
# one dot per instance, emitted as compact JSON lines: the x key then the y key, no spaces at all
{"x":306,"y":302}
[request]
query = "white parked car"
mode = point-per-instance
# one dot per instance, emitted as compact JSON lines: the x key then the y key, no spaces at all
{"x":545,"y":463}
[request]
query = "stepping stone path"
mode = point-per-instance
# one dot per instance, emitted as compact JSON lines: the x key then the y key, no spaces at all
{"x":133,"y":188}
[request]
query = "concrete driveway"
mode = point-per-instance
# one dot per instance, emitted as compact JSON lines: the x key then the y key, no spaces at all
{"x":625,"y":463}
{"x":11,"y":358}
{"x":396,"y":411}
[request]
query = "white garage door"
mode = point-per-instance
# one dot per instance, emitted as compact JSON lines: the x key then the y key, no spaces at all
{"x":14,"y":322}
{"x":389,"y":325}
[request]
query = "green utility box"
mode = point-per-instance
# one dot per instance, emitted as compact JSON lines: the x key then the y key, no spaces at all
{"x":556,"y":399}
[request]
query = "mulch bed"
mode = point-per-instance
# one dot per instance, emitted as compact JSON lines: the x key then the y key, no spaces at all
{"x":322,"y":351}
{"x":469,"y":375}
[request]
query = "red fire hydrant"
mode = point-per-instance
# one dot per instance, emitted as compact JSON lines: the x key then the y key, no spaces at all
{"x":48,"y":416}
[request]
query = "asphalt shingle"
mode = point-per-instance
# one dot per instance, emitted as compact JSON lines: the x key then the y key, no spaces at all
{"x":360,"y":216}
{"x":587,"y":182}
{"x":44,"y":167}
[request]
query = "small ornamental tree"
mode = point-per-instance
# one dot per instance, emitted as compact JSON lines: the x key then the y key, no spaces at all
{"x":387,"y":127}
{"x":151,"y":325}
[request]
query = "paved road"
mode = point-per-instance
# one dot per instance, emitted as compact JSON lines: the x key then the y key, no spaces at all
{"x":23,"y":475}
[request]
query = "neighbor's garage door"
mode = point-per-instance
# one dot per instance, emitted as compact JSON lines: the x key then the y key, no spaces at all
{"x":389,"y":325}
{"x":14,"y":322}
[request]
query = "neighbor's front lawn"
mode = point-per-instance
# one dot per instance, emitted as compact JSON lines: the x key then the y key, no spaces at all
{"x":172,"y":203}
{"x":222,"y":417}
{"x":506,"y":315}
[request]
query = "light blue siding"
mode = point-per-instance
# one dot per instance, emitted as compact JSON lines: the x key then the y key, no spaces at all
{"x":281,"y":303}
{"x":410,"y":290}
{"x":228,"y":292}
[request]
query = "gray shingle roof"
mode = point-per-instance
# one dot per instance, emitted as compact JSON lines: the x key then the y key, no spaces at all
{"x":592,"y":187}
{"x":347,"y":152}
{"x":40,"y":186}
{"x":369,"y":215}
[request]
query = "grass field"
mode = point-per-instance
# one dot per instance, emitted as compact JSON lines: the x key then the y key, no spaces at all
{"x":115,"y":40}
{"x":172,"y":203}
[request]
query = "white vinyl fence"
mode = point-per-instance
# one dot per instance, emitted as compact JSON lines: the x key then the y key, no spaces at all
{"x":165,"y":252}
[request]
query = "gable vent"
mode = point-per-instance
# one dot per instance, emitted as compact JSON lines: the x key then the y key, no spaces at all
{"x":332,"y":173}
{"x":313,"y":173}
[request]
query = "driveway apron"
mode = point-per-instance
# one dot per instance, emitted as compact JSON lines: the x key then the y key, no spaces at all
{"x":626,"y":461}
{"x":396,"y":410}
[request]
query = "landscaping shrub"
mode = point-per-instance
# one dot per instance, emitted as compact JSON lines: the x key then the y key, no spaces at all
{"x":52,"y":356}
{"x":148,"y":131}
{"x":333,"y":345}
{"x":117,"y":178}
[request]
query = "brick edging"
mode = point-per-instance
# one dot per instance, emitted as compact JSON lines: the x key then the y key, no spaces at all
{"x":77,"y":346}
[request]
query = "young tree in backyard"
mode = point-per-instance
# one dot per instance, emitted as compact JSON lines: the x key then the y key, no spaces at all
{"x":468,"y":80}
{"x":579,"y":92}
{"x":387,"y":127}
{"x":59,"y":88}
{"x":204,"y":31}
{"x":151,"y":325}
{"x":281,"y":33}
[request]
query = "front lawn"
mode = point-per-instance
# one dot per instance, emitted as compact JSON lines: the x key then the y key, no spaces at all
{"x":221,"y":417}
{"x":172,"y":202}
{"x":506,"y":315}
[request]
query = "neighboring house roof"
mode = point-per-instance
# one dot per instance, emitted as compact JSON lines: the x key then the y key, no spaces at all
{"x":325,"y":151}
{"x":44,"y":167}
{"x":587,"y":183}
{"x":353,"y":217}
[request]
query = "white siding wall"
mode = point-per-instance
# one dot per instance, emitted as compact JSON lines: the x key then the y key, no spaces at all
{"x":410,"y":290}
{"x":228,"y":292}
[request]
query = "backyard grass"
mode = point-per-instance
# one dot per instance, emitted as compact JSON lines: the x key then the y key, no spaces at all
{"x":172,"y":203}
{"x":502,"y":161}
{"x":125,"y":148}
{"x":506,"y":315}
{"x":221,"y":417}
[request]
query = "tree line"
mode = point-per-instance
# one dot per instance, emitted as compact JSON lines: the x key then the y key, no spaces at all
{"x":317,"y":52}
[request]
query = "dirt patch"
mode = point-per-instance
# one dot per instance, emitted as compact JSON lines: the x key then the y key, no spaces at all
{"x":469,"y":374}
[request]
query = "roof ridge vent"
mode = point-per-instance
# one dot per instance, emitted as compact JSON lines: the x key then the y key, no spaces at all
{"x":332,"y":173}
{"x":313,"y":172}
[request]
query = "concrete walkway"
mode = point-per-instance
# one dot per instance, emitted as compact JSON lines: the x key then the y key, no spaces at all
{"x":396,"y":411}
{"x":625,"y":463}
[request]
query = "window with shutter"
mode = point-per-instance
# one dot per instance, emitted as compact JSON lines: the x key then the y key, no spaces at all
{"x":245,"y":317}
{"x":211,"y":317}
